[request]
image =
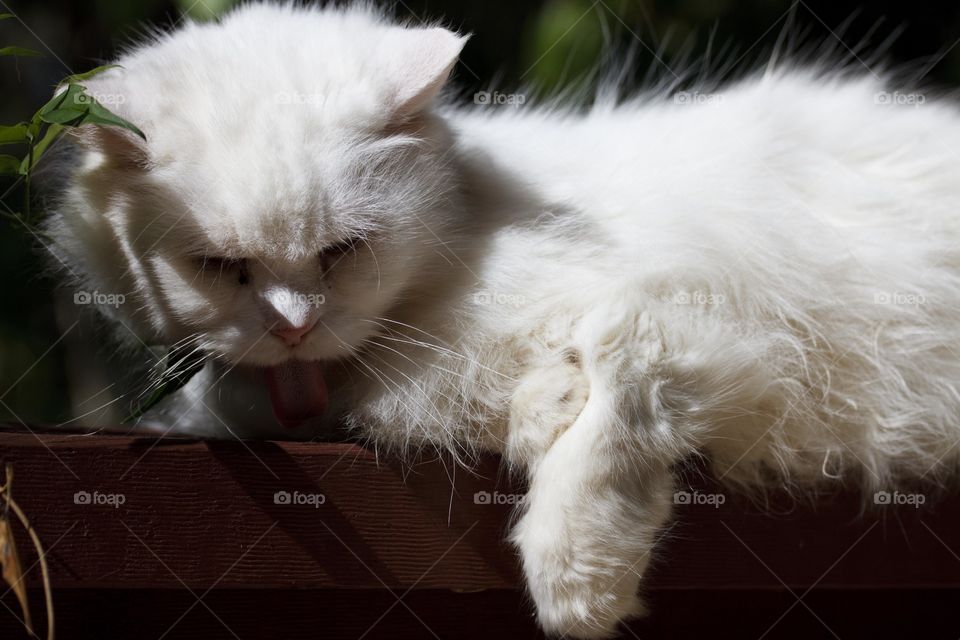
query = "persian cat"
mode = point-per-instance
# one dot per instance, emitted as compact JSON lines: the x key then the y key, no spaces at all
{"x":768,"y":277}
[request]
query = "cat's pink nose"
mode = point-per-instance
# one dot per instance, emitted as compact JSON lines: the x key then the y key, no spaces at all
{"x":293,"y":335}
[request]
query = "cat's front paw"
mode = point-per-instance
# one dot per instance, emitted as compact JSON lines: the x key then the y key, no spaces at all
{"x":580,"y":590}
{"x":589,"y":618}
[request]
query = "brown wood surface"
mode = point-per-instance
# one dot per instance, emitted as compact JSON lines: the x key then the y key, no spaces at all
{"x":495,"y":614}
{"x":202,"y":514}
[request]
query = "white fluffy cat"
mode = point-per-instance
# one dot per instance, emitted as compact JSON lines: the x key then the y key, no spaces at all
{"x":769,"y":277}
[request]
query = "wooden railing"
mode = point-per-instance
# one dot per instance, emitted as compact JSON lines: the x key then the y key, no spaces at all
{"x":310,"y":539}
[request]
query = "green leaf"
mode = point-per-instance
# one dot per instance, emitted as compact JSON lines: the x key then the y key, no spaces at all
{"x":101,"y":115}
{"x":184,"y":362}
{"x":9,"y":166}
{"x":15,"y":134}
{"x":86,"y":75}
{"x":74,"y":107}
{"x":65,"y":98}
{"x":5,"y":16}
{"x":19,"y":51}
{"x":53,"y":132}
{"x":67,"y":105}
{"x":209,"y":10}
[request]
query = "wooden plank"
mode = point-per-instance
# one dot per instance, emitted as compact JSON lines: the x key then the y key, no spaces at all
{"x":283,"y":614}
{"x":203,"y":514}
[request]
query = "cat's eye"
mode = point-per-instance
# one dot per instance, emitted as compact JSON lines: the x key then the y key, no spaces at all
{"x":224,"y":267}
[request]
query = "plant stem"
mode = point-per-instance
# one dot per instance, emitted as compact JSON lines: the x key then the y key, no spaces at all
{"x":41,"y":554}
{"x":26,"y":183}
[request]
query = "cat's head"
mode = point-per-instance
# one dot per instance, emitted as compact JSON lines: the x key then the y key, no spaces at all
{"x":292,"y":186}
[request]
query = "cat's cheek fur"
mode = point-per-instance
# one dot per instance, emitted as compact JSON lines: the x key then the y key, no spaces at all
{"x":180,"y":293}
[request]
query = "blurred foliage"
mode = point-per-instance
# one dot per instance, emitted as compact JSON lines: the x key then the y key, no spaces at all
{"x":206,"y":10}
{"x":538,"y":44}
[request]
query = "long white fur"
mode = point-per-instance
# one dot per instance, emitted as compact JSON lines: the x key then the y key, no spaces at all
{"x":769,"y":276}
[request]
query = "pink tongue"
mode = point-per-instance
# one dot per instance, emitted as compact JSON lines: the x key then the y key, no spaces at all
{"x":297,"y":391}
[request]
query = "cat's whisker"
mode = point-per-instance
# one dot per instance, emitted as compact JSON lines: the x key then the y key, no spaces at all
{"x":456,"y":403}
{"x":443,"y":347}
{"x":393,"y":333}
{"x":372,"y":342}
{"x":378,"y":374}
{"x":93,"y":411}
{"x":421,"y":409}
{"x":440,"y":349}
{"x":392,"y":386}
{"x":375,"y":261}
{"x":350,"y":361}
{"x":437,"y":414}
{"x":163,"y":371}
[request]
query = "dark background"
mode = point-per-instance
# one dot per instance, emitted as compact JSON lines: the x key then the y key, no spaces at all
{"x":538,"y":45}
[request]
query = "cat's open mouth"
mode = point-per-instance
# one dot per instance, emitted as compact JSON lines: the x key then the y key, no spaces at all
{"x":298,"y":392}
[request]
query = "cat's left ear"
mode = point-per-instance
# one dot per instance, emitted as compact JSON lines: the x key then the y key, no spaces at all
{"x":420,"y":62}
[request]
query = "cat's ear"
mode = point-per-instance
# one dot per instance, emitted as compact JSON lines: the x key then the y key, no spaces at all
{"x":120,"y":147}
{"x":420,"y":61}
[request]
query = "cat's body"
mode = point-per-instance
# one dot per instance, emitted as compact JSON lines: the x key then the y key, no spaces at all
{"x":769,"y":276}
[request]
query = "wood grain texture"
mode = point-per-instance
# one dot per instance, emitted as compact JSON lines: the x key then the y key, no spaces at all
{"x":425,"y":614}
{"x":203,"y":515}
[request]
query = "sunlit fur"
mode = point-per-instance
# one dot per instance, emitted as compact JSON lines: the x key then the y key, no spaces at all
{"x":769,"y":277}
